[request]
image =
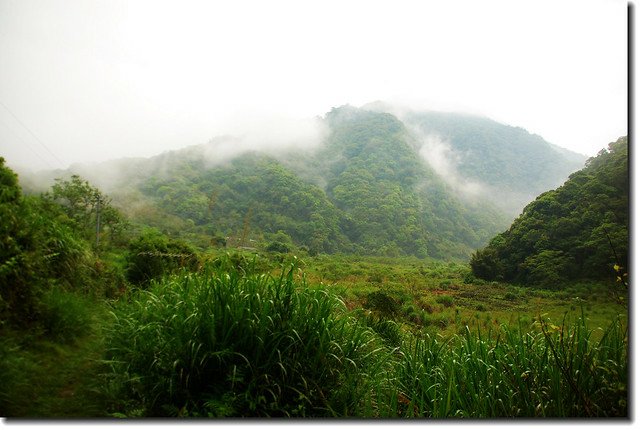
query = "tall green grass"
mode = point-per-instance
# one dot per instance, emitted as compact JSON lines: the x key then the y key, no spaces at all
{"x":549,"y":372}
{"x":224,"y":343}
{"x":233,"y":342}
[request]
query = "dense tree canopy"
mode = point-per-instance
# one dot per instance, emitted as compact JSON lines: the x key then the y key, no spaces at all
{"x":368,"y":187}
{"x":40,"y":247}
{"x":512,"y":163}
{"x":579,"y":230}
{"x":87,"y":206}
{"x":377,"y":195}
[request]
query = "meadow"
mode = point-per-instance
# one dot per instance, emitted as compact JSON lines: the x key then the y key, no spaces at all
{"x":273,"y":335}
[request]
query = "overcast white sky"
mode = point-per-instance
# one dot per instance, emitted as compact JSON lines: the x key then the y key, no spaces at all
{"x":93,"y":80}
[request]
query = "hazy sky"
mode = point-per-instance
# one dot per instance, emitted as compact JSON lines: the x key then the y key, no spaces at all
{"x":93,"y":80}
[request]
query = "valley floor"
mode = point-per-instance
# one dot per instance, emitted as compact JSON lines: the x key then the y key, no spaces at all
{"x":45,"y":378}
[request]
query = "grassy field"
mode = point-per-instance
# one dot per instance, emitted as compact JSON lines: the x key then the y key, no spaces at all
{"x":327,"y":336}
{"x":445,"y":297}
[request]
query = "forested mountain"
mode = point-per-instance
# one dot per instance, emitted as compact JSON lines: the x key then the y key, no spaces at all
{"x":253,"y":194}
{"x":372,"y":186}
{"x":394,"y":203}
{"x":503,"y":164}
{"x":579,"y":230}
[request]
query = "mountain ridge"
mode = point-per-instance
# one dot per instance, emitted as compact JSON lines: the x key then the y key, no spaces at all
{"x":372,"y":183}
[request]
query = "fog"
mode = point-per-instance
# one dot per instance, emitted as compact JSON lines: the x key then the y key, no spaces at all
{"x":444,"y":160}
{"x":265,"y":132}
{"x":90,"y":80}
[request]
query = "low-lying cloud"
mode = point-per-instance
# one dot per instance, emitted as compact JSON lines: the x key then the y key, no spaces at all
{"x":271,"y":134}
{"x":438,"y":153}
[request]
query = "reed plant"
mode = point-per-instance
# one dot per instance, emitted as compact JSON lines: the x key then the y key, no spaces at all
{"x":232,"y":341}
{"x":544,"y":371}
{"x":227,"y":343}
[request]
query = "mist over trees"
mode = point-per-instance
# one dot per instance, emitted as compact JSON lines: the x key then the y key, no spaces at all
{"x":366,"y":181}
{"x":579,"y":230}
{"x":197,"y":272}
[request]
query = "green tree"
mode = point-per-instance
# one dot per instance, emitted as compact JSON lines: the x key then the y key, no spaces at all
{"x":88,"y":207}
{"x":37,"y":250}
{"x":579,"y":230}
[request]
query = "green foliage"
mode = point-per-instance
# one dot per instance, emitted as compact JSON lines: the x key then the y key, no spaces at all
{"x":580,"y":230}
{"x":38,"y":248}
{"x":394,"y":203}
{"x":555,"y":372}
{"x":64,"y":316}
{"x":234,"y":341}
{"x":154,"y":255}
{"x":13,"y":372}
{"x":388,"y":330}
{"x":445,"y":300}
{"x":252,"y":195}
{"x":382,"y":303}
{"x":15,"y":271}
{"x":366,"y":190}
{"x":88,"y":207}
{"x":225,"y":344}
{"x":514,"y":164}
{"x":278,"y":247}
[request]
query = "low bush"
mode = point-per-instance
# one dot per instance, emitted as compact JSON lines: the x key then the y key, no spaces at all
{"x":154,"y":255}
{"x":382,"y":303}
{"x":445,"y":300}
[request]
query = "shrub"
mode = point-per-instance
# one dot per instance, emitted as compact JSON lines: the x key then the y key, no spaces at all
{"x":382,"y":303}
{"x":154,"y":255}
{"x":278,"y":247}
{"x":511,"y":296}
{"x":37,"y":244}
{"x":445,"y":300}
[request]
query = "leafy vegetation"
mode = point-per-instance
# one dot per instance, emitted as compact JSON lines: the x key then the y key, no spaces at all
{"x":394,"y":203}
{"x":213,"y":315}
{"x":365,"y":191}
{"x":512,"y":163}
{"x":153,"y":255}
{"x":40,"y":247}
{"x":224,"y":344}
{"x":580,"y":230}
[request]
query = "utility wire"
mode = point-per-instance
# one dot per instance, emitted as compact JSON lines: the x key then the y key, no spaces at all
{"x":27,"y":144}
{"x":33,"y":134}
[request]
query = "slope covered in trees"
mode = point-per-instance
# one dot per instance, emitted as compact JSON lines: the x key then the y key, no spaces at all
{"x":395,"y":203}
{"x":579,"y":230}
{"x":253,"y":194}
{"x":503,"y":164}
{"x":378,"y":197}
{"x":371,"y":187}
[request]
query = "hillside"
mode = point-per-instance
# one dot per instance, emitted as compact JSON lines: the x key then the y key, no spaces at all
{"x":364,"y":191}
{"x":372,"y":186}
{"x":579,"y":230}
{"x":252,"y":195}
{"x":482,"y":158}
{"x":395,"y":202}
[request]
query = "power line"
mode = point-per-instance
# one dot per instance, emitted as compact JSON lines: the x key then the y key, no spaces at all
{"x":33,"y":134}
{"x":27,"y":144}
